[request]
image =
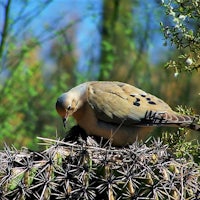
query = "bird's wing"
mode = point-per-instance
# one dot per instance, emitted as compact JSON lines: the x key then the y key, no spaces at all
{"x":116,"y":102}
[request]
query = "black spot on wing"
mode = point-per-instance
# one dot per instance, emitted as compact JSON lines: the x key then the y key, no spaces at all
{"x":152,"y":102}
{"x":136,"y":102}
{"x":149,"y":101}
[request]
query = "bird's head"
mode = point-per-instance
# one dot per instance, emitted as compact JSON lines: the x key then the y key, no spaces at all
{"x":66,"y":105}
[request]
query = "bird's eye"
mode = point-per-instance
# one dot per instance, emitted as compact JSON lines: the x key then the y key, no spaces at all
{"x":69,"y":107}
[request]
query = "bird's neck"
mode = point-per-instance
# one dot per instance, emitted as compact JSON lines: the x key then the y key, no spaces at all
{"x":81,"y":94}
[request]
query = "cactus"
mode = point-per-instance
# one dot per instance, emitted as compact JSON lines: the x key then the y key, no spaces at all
{"x":83,"y":169}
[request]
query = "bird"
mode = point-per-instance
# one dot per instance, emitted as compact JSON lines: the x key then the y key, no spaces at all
{"x":118,"y":112}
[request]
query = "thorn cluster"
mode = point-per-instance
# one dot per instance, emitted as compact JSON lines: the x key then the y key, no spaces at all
{"x":68,"y":170}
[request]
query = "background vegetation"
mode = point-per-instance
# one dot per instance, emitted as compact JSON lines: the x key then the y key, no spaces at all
{"x":47,"y":47}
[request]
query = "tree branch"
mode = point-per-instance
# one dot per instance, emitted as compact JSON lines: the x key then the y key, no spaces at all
{"x":5,"y":26}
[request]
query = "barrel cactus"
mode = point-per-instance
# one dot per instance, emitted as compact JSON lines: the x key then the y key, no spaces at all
{"x":85,"y":169}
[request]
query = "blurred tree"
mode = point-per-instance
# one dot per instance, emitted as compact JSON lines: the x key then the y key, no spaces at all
{"x":125,"y":43}
{"x":119,"y":54}
{"x":28,"y":99}
{"x":65,"y":57}
{"x":116,"y":44}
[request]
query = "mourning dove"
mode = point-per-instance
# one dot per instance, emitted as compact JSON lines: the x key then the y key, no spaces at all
{"x":118,"y":111}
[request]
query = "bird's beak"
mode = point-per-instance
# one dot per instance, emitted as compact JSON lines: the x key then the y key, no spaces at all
{"x":65,"y":121}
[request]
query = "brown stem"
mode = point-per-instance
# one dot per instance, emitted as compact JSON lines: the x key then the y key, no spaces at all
{"x":5,"y":26}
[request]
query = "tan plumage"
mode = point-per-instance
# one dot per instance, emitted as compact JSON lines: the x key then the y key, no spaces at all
{"x":118,"y":111}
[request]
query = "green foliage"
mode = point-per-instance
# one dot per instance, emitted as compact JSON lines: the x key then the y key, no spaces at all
{"x":23,"y":96}
{"x":185,"y":110}
{"x":184,"y":32}
{"x":178,"y":141}
{"x":181,"y":147}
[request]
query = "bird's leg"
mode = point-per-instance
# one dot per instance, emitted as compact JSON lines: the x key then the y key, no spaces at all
{"x":115,"y":131}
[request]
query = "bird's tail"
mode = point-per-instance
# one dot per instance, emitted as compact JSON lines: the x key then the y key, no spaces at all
{"x":173,"y":119}
{"x":189,"y":122}
{"x":195,"y":127}
{"x":170,"y":119}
